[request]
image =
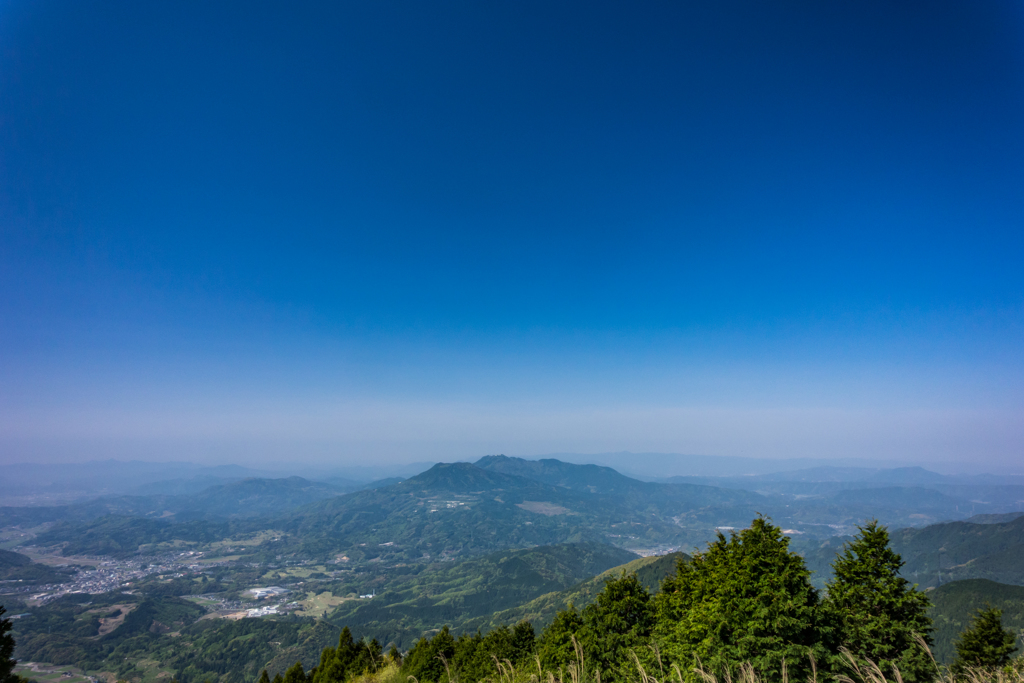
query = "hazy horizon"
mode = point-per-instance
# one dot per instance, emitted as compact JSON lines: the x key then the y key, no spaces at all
{"x":393,"y":233}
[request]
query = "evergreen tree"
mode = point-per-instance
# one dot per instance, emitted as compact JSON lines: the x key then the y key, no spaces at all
{"x":295,"y":674}
{"x":424,"y":660}
{"x":335,"y":662}
{"x":619,"y":620}
{"x":985,"y":643}
{"x":264,"y":678}
{"x":348,"y":659}
{"x":879,"y":614}
{"x":474,"y":655}
{"x":524,"y":642}
{"x":7,"y":662}
{"x":746,"y":599}
{"x":554,"y":647}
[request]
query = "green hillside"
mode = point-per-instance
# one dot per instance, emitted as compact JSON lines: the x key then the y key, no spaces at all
{"x":458,"y":510}
{"x":252,"y":497}
{"x":651,"y":571}
{"x":450,"y":511}
{"x":593,"y":479}
{"x":122,"y":536}
{"x":961,"y":550}
{"x":954,"y":604}
{"x":467,"y":593}
{"x":939,"y":553}
{"x":16,"y":568}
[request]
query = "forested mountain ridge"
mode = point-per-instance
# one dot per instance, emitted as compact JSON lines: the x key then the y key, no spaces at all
{"x":16,"y":568}
{"x":501,"y":503}
{"x":253,"y":497}
{"x":599,"y":480}
{"x":450,"y":510}
{"x":959,"y":550}
{"x":466,"y":594}
{"x":940,"y":553}
{"x":541,"y":611}
{"x":459,"y":509}
{"x":954,"y":604}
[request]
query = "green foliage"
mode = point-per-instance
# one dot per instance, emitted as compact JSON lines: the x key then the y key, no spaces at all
{"x":954,"y":606}
{"x":747,"y":599}
{"x":123,"y":536}
{"x":650,"y":572}
{"x":349,"y":658}
{"x":65,"y":631}
{"x":6,"y":649}
{"x":424,"y":661}
{"x":468,"y":658}
{"x":555,"y":647}
{"x":619,"y":621}
{"x":295,"y":674}
{"x":18,"y":567}
{"x":986,"y":644}
{"x":466,"y":595}
{"x":475,"y":655}
{"x":941,"y":553}
{"x":879,"y":614}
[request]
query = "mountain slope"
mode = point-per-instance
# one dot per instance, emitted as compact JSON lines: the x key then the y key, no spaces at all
{"x":20,"y":569}
{"x":955,"y":604}
{"x":604,"y":480}
{"x":651,"y":571}
{"x":939,"y":553}
{"x":236,"y":500}
{"x":462,"y":594}
{"x":962,"y":550}
{"x":459,"y":509}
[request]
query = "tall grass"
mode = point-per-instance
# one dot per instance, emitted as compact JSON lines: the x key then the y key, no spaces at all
{"x":577,"y":671}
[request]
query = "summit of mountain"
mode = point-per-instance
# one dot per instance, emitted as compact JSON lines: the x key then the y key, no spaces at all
{"x":464,"y":477}
{"x":605,"y":481}
{"x":588,"y":478}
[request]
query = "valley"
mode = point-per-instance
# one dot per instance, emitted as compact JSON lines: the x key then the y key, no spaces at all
{"x":467,"y":546}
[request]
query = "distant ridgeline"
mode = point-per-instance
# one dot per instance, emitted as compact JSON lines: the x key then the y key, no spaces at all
{"x":487,"y":547}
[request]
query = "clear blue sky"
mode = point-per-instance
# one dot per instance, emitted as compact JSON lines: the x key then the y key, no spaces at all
{"x":242,"y":232}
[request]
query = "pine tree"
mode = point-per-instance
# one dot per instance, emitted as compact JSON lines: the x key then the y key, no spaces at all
{"x":295,"y":674}
{"x":555,"y":647}
{"x":879,"y":615}
{"x":424,"y":660}
{"x":7,"y":662}
{"x":338,"y":664}
{"x":621,"y":619}
{"x":746,"y":599}
{"x":985,"y":643}
{"x":264,"y":678}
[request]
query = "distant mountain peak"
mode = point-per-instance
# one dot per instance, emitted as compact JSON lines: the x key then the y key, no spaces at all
{"x":463,"y":476}
{"x":591,"y":478}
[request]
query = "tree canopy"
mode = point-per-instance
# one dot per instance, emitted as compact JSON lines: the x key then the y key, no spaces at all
{"x":880,"y":616}
{"x":7,"y":662}
{"x":748,"y":598}
{"x":985,"y":643}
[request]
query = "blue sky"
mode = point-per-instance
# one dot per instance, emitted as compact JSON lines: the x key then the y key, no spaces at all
{"x":403,"y":231}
